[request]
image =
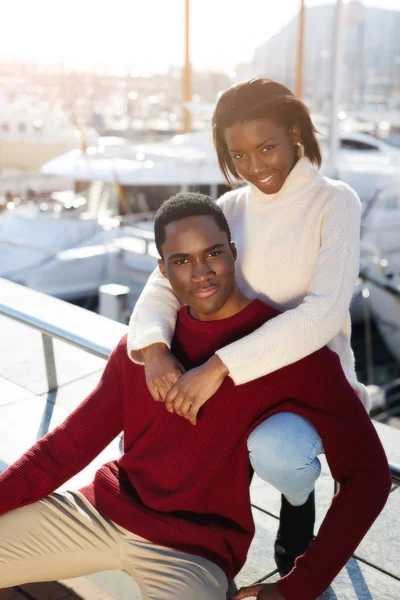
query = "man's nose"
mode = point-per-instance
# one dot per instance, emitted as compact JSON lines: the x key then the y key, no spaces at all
{"x":201,"y":271}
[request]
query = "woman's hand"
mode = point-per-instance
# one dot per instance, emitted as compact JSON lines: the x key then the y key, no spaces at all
{"x":266,"y":591}
{"x":193,"y":389}
{"x":161,"y":369}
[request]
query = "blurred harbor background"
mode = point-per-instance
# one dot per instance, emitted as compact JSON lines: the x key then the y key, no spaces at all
{"x":105,"y":112}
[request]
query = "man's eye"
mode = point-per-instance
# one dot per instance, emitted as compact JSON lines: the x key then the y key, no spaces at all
{"x":182,"y":261}
{"x":216,"y":253}
{"x":267,"y":148}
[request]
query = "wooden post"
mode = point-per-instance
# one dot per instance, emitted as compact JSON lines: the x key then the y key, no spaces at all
{"x":300,"y":52}
{"x":187,"y":73}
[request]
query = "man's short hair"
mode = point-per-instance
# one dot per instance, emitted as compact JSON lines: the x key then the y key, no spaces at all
{"x":187,"y":204}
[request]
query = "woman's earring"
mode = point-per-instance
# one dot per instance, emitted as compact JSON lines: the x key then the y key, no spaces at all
{"x":299,"y":149}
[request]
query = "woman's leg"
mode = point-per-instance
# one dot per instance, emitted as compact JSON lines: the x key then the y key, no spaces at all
{"x":59,"y":537}
{"x":283,"y":452}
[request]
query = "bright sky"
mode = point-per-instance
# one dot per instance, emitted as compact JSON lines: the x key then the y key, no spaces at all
{"x":144,"y":35}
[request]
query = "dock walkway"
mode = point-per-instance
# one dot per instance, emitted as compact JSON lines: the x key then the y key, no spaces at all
{"x":28,"y":410}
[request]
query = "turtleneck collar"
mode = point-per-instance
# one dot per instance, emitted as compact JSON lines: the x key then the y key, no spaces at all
{"x":300,"y":179}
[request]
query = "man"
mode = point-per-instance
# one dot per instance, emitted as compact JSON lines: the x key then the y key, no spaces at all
{"x":174,"y":510}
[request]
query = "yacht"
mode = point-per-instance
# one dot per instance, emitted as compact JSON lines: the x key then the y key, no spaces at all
{"x":188,"y":161}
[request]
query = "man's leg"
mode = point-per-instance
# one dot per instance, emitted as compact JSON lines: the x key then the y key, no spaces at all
{"x":283,"y":452}
{"x":167,"y":574}
{"x":59,"y":537}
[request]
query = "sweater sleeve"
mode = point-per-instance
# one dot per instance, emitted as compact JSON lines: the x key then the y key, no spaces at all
{"x":71,"y":446}
{"x":154,"y":316}
{"x":298,"y":332}
{"x":357,"y":461}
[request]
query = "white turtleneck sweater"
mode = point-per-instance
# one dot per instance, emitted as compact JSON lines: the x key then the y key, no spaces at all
{"x":298,"y":250}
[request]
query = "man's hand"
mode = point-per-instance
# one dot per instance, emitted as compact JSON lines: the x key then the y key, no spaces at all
{"x":266,"y":591}
{"x":193,"y":389}
{"x":161,"y":369}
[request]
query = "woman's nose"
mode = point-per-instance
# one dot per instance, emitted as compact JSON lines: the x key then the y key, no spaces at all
{"x":256,"y":166}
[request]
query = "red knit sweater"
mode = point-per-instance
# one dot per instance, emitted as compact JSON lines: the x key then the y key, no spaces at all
{"x":186,"y":486}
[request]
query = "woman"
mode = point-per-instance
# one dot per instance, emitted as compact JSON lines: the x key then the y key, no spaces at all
{"x":297,"y":234}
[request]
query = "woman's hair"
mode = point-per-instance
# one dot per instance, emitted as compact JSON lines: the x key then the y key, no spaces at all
{"x":256,"y":99}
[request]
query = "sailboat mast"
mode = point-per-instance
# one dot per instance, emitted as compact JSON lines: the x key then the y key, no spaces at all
{"x":187,"y":73}
{"x":300,"y":52}
{"x":336,"y":88}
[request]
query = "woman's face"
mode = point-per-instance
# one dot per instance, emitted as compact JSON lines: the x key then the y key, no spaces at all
{"x":263,"y":152}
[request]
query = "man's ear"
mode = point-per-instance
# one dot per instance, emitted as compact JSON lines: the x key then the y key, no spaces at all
{"x":234,"y":250}
{"x":161,"y":266}
{"x":295,"y":132}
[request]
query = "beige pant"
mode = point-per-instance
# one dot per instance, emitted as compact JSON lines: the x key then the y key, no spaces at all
{"x":64,"y":536}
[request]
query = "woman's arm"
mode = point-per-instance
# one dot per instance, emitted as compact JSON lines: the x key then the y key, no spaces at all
{"x":71,"y":446}
{"x":154,"y":317}
{"x":298,"y":332}
{"x":151,"y":329}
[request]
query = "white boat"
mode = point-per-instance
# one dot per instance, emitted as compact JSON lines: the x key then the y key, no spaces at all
{"x":380,"y":237}
{"x":189,"y":160}
{"x":380,"y":261}
{"x":384,"y":299}
{"x":363,"y":162}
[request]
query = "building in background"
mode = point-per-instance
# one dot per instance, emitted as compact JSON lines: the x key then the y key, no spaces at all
{"x":371,"y":58}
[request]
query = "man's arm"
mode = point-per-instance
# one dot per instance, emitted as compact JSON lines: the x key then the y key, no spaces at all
{"x":357,"y":461}
{"x":70,"y":447}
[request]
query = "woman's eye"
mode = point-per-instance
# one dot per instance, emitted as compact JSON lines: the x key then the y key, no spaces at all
{"x":238,"y":156}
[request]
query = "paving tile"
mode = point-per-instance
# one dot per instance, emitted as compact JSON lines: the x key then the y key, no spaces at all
{"x":381,"y":545}
{"x":22,"y":358}
{"x":50,"y":590}
{"x":260,"y":560}
{"x":70,"y":395}
{"x":390,"y":438}
{"x":11,"y":392}
{"x":11,"y":594}
{"x":82,"y":587}
{"x":116,"y":583}
{"x":18,"y":434}
{"x":358,"y":581}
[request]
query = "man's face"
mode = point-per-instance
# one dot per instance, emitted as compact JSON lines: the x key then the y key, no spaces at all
{"x":262,"y":152}
{"x":200,"y":266}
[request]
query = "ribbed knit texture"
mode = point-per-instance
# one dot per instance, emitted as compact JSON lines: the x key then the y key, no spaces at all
{"x":187,"y":487}
{"x":298,"y":250}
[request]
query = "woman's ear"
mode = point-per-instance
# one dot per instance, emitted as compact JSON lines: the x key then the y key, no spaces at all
{"x":295,"y":132}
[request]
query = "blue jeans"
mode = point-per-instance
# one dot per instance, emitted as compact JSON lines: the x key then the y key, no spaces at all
{"x":284,"y":452}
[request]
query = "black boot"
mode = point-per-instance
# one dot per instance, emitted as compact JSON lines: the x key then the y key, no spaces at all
{"x":296,"y":529}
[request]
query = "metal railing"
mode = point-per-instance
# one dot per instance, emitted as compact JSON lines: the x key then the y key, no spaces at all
{"x":50,"y":330}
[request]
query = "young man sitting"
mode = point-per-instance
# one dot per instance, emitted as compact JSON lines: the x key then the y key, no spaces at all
{"x":174,"y":511}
